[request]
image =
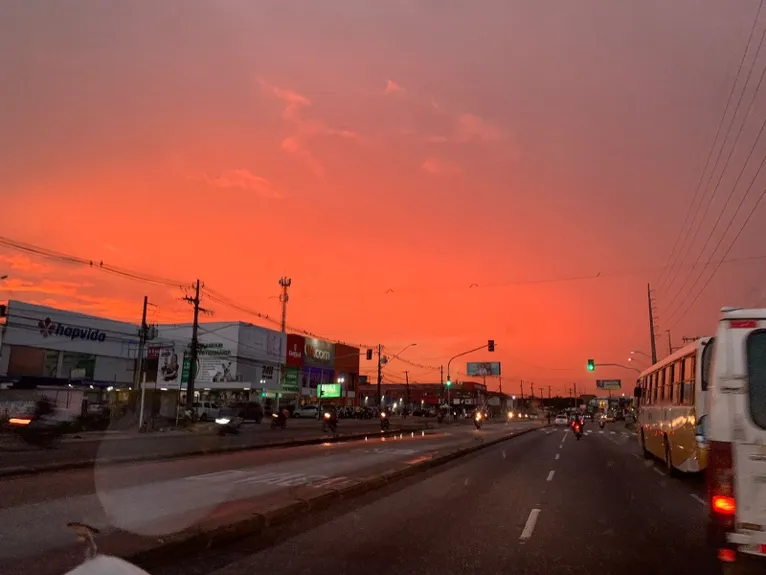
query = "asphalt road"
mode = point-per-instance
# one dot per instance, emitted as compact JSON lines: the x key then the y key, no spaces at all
{"x":15,"y":453}
{"x":163,"y":497}
{"x":542,"y":503}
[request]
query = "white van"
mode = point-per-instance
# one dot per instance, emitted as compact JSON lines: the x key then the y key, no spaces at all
{"x":736,"y":432}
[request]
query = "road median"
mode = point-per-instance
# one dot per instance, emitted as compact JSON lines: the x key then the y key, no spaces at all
{"x":247,"y":517}
{"x":197,"y":451}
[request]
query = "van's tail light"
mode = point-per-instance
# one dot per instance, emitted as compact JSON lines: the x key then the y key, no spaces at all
{"x":720,"y":484}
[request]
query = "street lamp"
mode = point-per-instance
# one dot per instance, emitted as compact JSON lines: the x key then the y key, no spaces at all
{"x":635,"y":351}
{"x":382,"y":362}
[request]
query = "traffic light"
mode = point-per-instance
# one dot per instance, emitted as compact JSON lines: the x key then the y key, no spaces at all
{"x":591,"y":365}
{"x":491,"y":345}
{"x":449,"y":382}
{"x":369,"y":354}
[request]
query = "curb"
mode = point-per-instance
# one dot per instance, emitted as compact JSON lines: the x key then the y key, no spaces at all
{"x":222,"y":529}
{"x":88,"y":463}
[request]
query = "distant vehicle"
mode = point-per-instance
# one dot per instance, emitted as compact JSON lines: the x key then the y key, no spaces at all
{"x":561,"y":420}
{"x":735,"y":374}
{"x":306,"y":411}
{"x":672,"y":409}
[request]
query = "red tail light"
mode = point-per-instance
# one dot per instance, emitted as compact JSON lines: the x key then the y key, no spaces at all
{"x":720,"y":484}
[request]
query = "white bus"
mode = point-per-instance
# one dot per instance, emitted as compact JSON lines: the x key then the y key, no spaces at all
{"x":737,"y":435}
{"x":672,"y":407}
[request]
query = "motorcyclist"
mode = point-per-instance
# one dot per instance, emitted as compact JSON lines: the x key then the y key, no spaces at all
{"x":329,"y":417}
{"x":43,"y":407}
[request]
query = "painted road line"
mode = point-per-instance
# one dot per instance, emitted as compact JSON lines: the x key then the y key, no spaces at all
{"x":529,"y":527}
{"x":658,"y":471}
{"x":550,"y":476}
{"x":698,"y":499}
{"x":557,"y":456}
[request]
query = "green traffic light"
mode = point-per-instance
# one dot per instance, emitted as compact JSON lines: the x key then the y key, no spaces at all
{"x":449,"y":382}
{"x":591,"y":365}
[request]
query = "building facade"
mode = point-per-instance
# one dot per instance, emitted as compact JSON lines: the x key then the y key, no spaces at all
{"x":43,"y":342}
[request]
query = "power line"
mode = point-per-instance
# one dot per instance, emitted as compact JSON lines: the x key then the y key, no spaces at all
{"x":670,"y":264}
{"x":734,"y":186}
{"x":731,"y":245}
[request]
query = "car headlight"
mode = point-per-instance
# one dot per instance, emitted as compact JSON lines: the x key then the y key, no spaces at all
{"x":222,"y":421}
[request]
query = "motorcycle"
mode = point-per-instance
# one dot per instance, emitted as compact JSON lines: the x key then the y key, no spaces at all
{"x":42,"y":431}
{"x":477,"y":420}
{"x":228,"y":422}
{"x":385,"y":421}
{"x":577,"y":430}
{"x":96,"y":564}
{"x":278,"y":421}
{"x":329,"y":421}
{"x":602,"y":424}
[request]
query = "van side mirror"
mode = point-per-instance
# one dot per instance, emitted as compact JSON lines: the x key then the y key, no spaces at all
{"x":637,"y":392}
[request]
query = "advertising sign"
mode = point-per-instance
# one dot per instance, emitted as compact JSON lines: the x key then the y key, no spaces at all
{"x":292,"y":381}
{"x":483,"y":368}
{"x":258,"y":343}
{"x":608,"y":383}
{"x":294,"y":355}
{"x":215,"y":364}
{"x":318,"y":353}
{"x":329,"y":390}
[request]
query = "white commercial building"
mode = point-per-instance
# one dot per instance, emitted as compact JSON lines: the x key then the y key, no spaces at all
{"x":231,"y":356}
{"x":43,"y":342}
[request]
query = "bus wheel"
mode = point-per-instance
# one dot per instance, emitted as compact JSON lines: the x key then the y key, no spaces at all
{"x":647,"y":453}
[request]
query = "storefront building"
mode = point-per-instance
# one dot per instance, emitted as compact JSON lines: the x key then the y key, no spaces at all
{"x":347,"y":371}
{"x":43,"y":342}
{"x":318,"y":365}
{"x":231,"y":356}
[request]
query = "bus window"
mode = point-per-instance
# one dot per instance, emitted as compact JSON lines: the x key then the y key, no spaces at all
{"x":707,"y":357}
{"x":654,"y":388}
{"x":669,"y":380}
{"x":661,"y":384}
{"x":690,"y":372}
{"x":756,"y":375}
{"x":678,"y":379}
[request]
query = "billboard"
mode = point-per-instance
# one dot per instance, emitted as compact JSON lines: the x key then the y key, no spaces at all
{"x":329,"y":390}
{"x":608,"y":383}
{"x":294,"y":354}
{"x":483,"y":368}
{"x":260,"y":344}
{"x":318,"y":353}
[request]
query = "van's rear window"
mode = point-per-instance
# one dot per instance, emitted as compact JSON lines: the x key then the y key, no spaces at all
{"x":756,"y":371}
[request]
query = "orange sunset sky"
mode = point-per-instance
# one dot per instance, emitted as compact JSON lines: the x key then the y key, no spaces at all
{"x":425,"y":171}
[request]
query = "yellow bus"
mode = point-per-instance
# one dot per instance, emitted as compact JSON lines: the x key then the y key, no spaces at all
{"x":672,"y":407}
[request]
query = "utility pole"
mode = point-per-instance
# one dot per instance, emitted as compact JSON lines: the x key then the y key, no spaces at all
{"x":670,"y":343}
{"x":441,"y":379}
{"x":542,"y":396}
{"x":575,"y":394}
{"x":522,"y":393}
{"x":406,"y":389}
{"x":140,"y":363}
{"x":380,"y":375}
{"x":194,"y":345}
{"x":651,"y":324}
{"x":285,"y":282}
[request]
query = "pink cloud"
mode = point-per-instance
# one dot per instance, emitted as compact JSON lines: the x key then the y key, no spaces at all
{"x":392,"y":88}
{"x":470,"y":128}
{"x":305,"y":129}
{"x":244,"y":180}
{"x":438,"y":167}
{"x":22,"y":263}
